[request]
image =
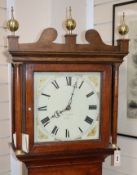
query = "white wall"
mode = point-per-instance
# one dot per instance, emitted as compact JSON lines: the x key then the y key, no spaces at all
{"x":34,"y":16}
{"x":103,"y":23}
{"x":4,"y":96}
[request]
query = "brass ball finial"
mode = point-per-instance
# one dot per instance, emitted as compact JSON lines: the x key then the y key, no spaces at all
{"x":70,"y":23}
{"x":12,"y":24}
{"x":123,"y":28}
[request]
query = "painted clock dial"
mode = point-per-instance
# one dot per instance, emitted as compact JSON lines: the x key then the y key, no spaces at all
{"x":66,"y":106}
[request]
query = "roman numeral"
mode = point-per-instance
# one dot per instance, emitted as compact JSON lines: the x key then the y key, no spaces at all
{"x":92,"y":107}
{"x":67,"y":133}
{"x":55,"y":130}
{"x":90,"y":94}
{"x":55,"y":84}
{"x":69,"y":80}
{"x":43,"y":108}
{"x":45,"y":121}
{"x":45,"y":95}
{"x":88,"y":120}
{"x":81,"y":84}
{"x":80,"y":130}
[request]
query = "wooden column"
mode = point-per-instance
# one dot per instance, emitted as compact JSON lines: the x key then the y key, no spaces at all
{"x":115,"y":103}
{"x":18,"y":106}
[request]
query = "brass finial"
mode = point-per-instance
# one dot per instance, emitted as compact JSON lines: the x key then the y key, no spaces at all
{"x":70,"y":23}
{"x":12,"y":24}
{"x":123,"y":28}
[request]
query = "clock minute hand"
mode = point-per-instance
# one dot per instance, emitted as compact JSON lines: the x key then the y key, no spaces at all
{"x":68,"y":107}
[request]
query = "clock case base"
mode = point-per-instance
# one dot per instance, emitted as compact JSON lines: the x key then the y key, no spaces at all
{"x":81,"y":163}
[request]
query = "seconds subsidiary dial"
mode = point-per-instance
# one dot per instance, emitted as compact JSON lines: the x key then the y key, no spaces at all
{"x":66,"y":106}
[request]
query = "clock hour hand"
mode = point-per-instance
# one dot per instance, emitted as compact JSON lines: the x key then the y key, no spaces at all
{"x":66,"y":109}
{"x":56,"y":114}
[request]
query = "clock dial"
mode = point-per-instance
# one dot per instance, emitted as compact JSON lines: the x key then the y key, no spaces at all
{"x":67,"y":106}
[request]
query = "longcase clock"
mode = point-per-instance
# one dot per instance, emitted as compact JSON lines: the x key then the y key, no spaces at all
{"x":65,"y":97}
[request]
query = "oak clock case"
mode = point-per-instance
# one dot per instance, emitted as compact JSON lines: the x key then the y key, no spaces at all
{"x":65,"y":100}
